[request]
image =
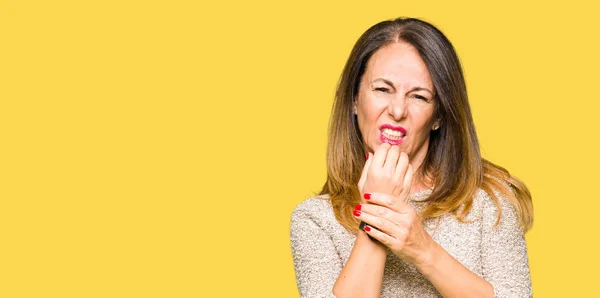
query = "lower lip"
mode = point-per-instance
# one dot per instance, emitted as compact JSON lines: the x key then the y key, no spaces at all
{"x":390,"y":141}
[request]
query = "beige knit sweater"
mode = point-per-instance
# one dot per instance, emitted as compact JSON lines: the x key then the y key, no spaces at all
{"x":321,"y":247}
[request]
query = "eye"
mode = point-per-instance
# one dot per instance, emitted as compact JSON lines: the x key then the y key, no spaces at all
{"x":382,"y":89}
{"x":420,"y":97}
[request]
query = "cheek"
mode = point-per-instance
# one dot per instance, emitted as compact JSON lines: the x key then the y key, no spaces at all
{"x":364,"y":119}
{"x":423,"y":122}
{"x":372,"y":108}
{"x":367,"y":117}
{"x":363,"y":125}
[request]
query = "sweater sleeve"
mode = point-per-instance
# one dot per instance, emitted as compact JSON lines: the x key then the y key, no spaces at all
{"x":316,"y":261}
{"x":505,"y":260}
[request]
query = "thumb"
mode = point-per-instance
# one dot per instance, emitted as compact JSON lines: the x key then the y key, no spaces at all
{"x":407,"y":183}
{"x":363,"y":176}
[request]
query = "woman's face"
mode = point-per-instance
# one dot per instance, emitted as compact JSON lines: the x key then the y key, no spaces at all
{"x":395,"y":101}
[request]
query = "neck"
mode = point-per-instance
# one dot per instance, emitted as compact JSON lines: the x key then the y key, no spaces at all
{"x":420,"y":181}
{"x":419,"y":185}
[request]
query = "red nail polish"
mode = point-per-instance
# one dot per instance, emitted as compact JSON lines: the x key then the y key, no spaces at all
{"x":358,"y":207}
{"x":367,"y":156}
{"x":367,"y":228}
{"x":367,"y":196}
{"x":356,"y":213}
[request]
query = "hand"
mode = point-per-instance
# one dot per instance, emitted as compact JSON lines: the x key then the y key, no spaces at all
{"x":385,"y":172}
{"x":395,"y":224}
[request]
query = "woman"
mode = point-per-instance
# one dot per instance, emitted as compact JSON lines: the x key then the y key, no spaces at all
{"x":403,"y":160}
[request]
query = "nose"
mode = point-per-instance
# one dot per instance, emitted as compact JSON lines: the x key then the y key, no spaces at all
{"x":397,"y":107}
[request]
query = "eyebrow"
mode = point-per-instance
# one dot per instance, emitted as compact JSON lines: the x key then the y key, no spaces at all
{"x":392,"y":85}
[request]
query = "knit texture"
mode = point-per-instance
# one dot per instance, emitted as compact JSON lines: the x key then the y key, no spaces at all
{"x":321,"y":247}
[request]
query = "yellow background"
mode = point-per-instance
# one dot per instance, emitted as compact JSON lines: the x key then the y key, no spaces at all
{"x":157,"y":148}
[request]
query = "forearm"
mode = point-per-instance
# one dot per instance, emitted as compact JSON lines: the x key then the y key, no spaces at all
{"x":451,"y":278}
{"x":363,"y":273}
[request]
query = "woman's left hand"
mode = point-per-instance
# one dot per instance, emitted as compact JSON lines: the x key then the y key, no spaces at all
{"x":395,"y":224}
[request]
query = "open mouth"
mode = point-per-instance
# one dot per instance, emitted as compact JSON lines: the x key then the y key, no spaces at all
{"x":394,"y":135}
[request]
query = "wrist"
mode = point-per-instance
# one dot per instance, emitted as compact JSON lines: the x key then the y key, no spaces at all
{"x":366,"y":240}
{"x":429,"y":259}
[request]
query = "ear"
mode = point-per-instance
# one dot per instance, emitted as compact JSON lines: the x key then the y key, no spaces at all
{"x":436,"y":124}
{"x":354,"y":107}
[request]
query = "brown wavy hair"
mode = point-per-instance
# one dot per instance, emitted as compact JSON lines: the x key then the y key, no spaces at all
{"x":453,"y":160}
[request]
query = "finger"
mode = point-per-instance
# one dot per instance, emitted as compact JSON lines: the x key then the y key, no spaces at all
{"x":380,"y":236}
{"x":380,"y":155}
{"x":391,"y":159}
{"x":402,"y":166}
{"x":388,"y":201}
{"x":380,"y":223}
{"x":380,"y":211}
{"x":407,"y":184}
{"x":363,"y":176}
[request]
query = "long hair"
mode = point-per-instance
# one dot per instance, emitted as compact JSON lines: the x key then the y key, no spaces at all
{"x":453,"y":159}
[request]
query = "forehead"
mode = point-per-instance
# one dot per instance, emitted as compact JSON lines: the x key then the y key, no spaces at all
{"x":400,"y":63}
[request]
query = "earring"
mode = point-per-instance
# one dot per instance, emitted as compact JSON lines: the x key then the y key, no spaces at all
{"x":435,"y":127}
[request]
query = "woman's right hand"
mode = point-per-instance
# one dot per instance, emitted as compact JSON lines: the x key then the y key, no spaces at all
{"x":385,"y":172}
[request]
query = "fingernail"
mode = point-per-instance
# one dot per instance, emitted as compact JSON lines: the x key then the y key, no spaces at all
{"x":358,"y":207}
{"x":367,"y":228}
{"x":356,"y":213}
{"x":367,"y":155}
{"x":367,"y":196}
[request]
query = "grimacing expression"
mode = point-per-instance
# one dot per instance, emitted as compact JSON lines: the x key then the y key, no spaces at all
{"x":396,"y":91}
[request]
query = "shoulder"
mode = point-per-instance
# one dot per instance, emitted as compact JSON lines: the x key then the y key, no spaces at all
{"x":316,"y":214}
{"x":314,"y":217}
{"x":314,"y":207}
{"x":485,"y":200}
{"x":499,"y":211}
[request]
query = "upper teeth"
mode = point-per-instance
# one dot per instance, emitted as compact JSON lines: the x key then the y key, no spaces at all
{"x":392,"y":132}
